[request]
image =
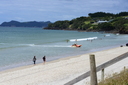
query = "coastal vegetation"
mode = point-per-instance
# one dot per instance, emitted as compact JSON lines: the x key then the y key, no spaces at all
{"x":117,"y":79}
{"x":99,"y":21}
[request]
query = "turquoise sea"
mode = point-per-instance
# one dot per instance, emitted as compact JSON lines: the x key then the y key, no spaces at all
{"x":18,"y":45}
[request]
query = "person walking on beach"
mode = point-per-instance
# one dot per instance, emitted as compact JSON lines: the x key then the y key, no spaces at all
{"x":34,"y":60}
{"x":44,"y":59}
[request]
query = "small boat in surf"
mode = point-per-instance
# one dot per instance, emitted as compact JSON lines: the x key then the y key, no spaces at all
{"x":75,"y":45}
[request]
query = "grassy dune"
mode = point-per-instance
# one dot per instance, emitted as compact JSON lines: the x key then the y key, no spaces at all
{"x":116,"y":79}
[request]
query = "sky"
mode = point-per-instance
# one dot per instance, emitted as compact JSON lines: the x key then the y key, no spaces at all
{"x":54,"y":10}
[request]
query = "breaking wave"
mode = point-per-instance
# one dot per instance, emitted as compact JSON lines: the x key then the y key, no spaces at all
{"x":82,"y":39}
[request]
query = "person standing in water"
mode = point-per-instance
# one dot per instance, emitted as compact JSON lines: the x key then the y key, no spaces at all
{"x":34,"y":60}
{"x":44,"y":59}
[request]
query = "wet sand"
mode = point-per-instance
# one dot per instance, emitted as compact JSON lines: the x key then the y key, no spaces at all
{"x":60,"y":71}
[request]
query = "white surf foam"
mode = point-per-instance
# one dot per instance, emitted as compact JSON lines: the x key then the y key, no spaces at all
{"x":107,"y":35}
{"x":82,"y":39}
{"x":27,"y":44}
{"x":55,"y":46}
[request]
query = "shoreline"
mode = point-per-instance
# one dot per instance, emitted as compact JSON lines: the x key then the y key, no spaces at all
{"x":59,"y":71}
{"x":16,"y":53}
{"x":25,"y":64}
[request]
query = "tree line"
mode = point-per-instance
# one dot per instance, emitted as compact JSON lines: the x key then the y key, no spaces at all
{"x":103,"y":14}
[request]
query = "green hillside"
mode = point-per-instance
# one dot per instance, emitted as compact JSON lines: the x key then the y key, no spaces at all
{"x":99,"y":21}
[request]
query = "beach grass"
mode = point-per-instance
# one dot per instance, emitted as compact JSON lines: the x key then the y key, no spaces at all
{"x":116,"y":79}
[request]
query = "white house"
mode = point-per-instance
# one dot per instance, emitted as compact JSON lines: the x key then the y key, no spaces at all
{"x":102,"y":21}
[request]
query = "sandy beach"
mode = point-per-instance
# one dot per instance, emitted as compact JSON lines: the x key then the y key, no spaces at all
{"x":61,"y":71}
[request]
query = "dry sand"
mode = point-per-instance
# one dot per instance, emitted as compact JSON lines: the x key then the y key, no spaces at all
{"x":61,"y":71}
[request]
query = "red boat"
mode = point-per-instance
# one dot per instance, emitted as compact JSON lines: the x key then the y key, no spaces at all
{"x":75,"y":45}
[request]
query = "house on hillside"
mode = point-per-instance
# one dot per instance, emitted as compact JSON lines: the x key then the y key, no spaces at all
{"x":101,"y":21}
{"x":126,"y":17}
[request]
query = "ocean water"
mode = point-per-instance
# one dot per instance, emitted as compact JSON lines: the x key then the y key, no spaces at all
{"x":18,"y":45}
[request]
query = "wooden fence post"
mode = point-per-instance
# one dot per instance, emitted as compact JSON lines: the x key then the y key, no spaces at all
{"x":93,"y":70}
{"x":102,"y":75}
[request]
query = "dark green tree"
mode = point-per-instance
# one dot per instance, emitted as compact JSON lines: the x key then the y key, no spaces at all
{"x":105,"y":27}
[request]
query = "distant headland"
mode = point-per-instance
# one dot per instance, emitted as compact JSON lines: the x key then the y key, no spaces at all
{"x":25,"y":24}
{"x":99,"y":21}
